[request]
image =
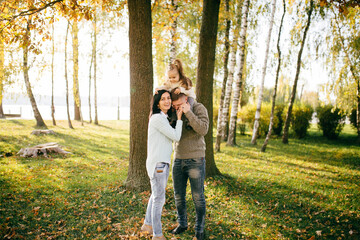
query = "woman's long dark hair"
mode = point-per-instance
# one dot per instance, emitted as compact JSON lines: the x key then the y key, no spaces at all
{"x":155,"y":107}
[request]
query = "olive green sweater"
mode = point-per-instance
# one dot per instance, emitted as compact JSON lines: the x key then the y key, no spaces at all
{"x":192,"y":142}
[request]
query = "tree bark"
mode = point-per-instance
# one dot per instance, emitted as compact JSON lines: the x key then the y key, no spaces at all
{"x":66,"y":79}
{"x":229,"y":85}
{"x":141,"y":85}
{"x":52,"y":76}
{"x":173,"y":30}
{"x":263,"y":148}
{"x":226,"y":74}
{"x":76,"y":90}
{"x":261,"y":91}
{"x":231,"y":141}
{"x":285,"y":137}
{"x":39,"y":120}
{"x":2,"y":77}
{"x":95,"y":70}
{"x":205,"y":72}
{"x":90,"y":68}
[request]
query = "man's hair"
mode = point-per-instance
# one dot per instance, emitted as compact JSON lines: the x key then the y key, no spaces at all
{"x":175,"y":97}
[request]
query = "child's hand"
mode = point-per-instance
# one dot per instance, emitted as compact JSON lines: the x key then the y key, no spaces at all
{"x":156,"y":90}
{"x":177,"y":91}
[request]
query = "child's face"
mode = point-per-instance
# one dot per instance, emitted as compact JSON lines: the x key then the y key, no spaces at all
{"x":173,"y":76}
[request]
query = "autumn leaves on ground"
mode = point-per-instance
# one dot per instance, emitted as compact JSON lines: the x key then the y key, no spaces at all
{"x":308,"y":189}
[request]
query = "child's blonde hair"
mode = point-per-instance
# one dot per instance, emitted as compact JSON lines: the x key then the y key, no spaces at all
{"x":185,"y":81}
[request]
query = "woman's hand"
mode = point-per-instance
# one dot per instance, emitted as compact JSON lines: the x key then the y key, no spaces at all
{"x":179,"y":113}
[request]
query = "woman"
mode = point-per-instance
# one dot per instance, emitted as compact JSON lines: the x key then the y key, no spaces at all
{"x":159,"y":150}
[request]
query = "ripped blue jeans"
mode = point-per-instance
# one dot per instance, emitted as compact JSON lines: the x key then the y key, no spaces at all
{"x":194,"y":170}
{"x":157,"y":199}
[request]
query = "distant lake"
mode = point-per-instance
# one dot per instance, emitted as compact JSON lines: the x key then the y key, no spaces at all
{"x":104,"y":112}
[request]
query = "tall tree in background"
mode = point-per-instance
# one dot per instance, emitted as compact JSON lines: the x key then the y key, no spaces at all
{"x":173,"y":31}
{"x":224,"y":128}
{"x":240,"y":78}
{"x":141,"y":85}
{"x":205,"y":73}
{"x":263,"y":148}
{"x":76,"y":90}
{"x":225,"y":78}
{"x":261,"y":91}
{"x":52,"y":75}
{"x":345,"y":49}
{"x":66,"y":78}
{"x":2,"y":76}
{"x":90,"y":69}
{"x":94,"y":53}
{"x":285,"y":137}
{"x":26,"y":44}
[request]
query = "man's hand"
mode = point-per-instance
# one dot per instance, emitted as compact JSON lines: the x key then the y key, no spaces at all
{"x":185,"y":107}
{"x":179,"y":113}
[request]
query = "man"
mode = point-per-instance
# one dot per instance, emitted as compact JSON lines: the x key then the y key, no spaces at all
{"x":189,"y":163}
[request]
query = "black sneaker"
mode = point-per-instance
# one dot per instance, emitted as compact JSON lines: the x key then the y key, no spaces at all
{"x":179,"y":229}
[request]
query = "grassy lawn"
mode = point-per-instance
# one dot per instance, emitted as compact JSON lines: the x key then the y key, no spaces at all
{"x":308,"y":189}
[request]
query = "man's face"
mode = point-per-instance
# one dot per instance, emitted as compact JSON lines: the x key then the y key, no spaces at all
{"x":178,"y":103}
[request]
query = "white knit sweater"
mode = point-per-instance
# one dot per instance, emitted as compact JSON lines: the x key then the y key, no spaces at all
{"x":159,"y":143}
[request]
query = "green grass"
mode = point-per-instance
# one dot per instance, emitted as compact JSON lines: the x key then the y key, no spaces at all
{"x":306,"y":189}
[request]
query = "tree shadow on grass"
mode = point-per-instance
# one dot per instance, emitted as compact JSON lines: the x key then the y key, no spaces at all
{"x":16,"y":122}
{"x":292,"y":213}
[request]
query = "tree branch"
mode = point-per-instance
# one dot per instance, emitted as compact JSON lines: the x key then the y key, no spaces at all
{"x":31,"y":11}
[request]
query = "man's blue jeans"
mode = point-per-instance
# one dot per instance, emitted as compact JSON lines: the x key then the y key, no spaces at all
{"x":194,"y":170}
{"x":157,"y":199}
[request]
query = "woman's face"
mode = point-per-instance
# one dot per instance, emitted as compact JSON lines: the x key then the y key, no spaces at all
{"x":165,"y":102}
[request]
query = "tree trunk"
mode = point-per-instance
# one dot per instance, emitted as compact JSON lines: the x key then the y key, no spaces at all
{"x":173,"y":30}
{"x":205,"y":74}
{"x":261,"y":91}
{"x":76,"y":90}
{"x":226,"y":105}
{"x":141,"y":85}
{"x":95,"y":66}
{"x":2,"y":77}
{"x":39,"y":120}
{"x":239,"y":82}
{"x":66,"y":78}
{"x":226,"y":74}
{"x":52,"y":76}
{"x":285,"y":137}
{"x":263,"y":148}
{"x":91,"y":63}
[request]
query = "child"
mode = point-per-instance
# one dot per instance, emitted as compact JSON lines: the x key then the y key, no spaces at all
{"x":177,"y":80}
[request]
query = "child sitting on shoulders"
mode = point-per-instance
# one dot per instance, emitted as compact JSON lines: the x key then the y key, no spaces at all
{"x":177,"y":80}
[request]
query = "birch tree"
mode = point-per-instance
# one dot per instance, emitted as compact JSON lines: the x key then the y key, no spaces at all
{"x":66,"y":78}
{"x":285,"y":137}
{"x":76,"y":89}
{"x":225,"y":78}
{"x":263,"y":148}
{"x":52,"y":75}
{"x":229,"y":84}
{"x":205,"y":74}
{"x":94,"y":53}
{"x":240,"y":77}
{"x":25,"y":46}
{"x":173,"y":31}
{"x":261,"y":90}
{"x":2,"y":76}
